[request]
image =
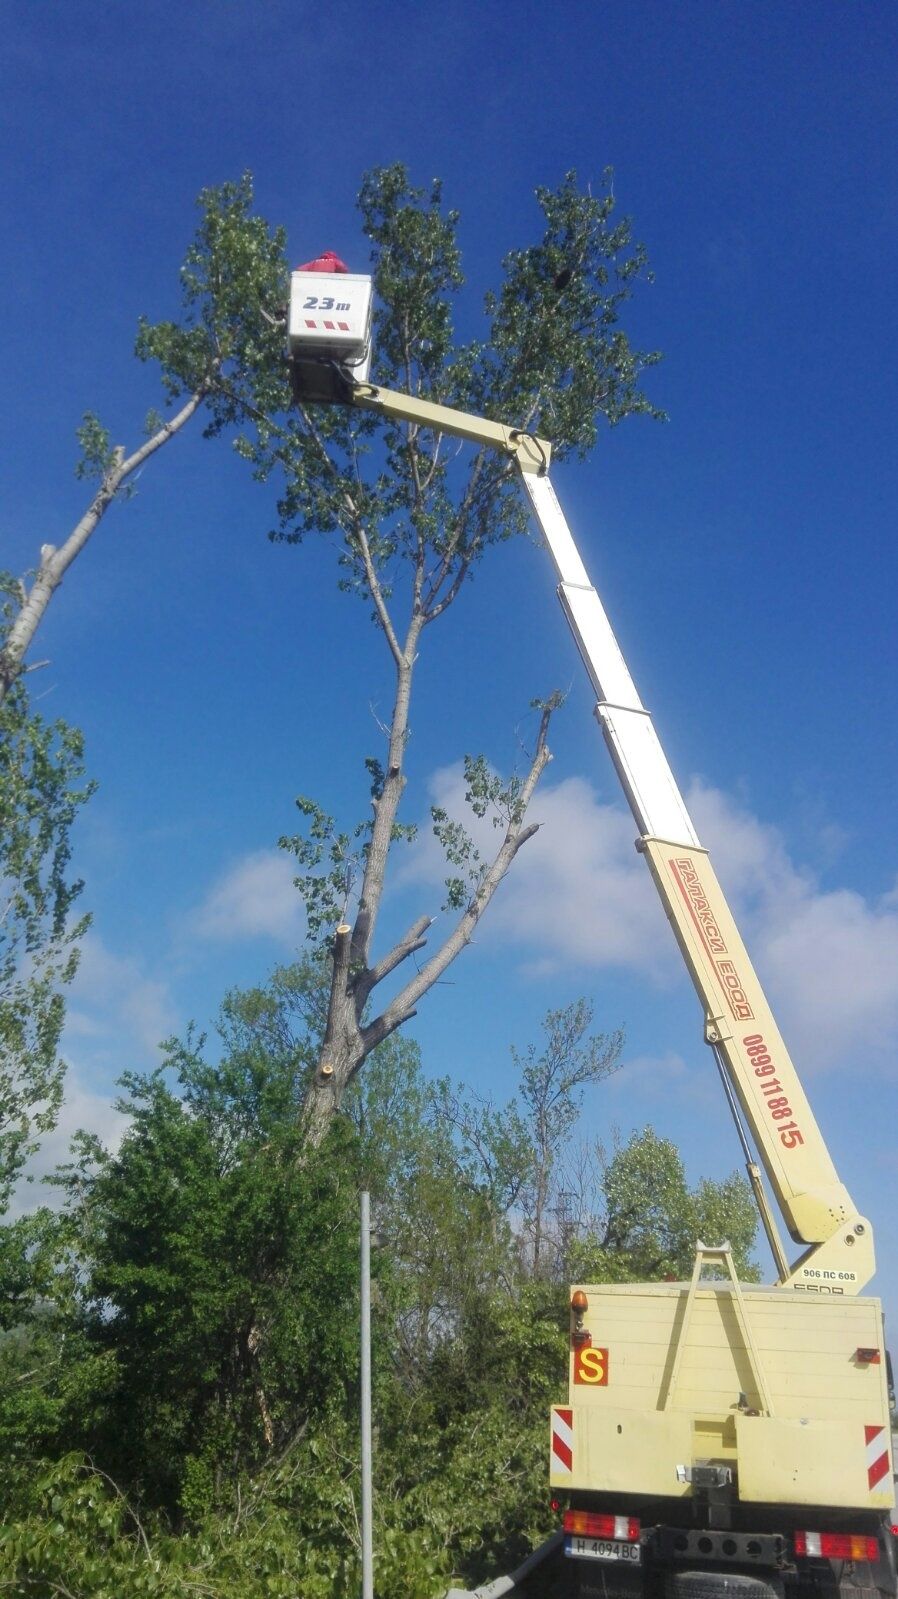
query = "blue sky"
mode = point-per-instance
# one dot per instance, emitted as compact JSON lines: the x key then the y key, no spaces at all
{"x":746,"y":549}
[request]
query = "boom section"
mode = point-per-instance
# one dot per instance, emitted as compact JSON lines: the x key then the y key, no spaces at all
{"x":738,"y":1021}
{"x":838,"y":1257}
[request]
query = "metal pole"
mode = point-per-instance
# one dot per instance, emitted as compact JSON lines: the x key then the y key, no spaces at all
{"x":367,"y":1532}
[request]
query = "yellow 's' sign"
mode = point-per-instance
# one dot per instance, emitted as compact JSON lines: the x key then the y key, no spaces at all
{"x":591,"y":1366}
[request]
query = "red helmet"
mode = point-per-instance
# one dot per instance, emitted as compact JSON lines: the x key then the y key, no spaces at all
{"x":328,"y":261}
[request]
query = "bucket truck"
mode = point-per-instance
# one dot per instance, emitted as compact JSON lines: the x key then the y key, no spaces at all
{"x":718,"y":1438}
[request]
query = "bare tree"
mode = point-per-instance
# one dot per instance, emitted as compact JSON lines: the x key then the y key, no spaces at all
{"x":552,"y":1081}
{"x":412,"y":519}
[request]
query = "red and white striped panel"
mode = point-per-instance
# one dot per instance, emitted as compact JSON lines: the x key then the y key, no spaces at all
{"x":877,"y":1441}
{"x":562,"y":1442}
{"x":309,"y":322}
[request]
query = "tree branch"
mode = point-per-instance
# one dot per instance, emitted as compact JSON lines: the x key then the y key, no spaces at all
{"x":359,"y":535}
{"x":340,"y":958}
{"x":516,"y":835}
{"x":408,"y":945}
{"x":387,"y":803}
{"x":55,"y":563}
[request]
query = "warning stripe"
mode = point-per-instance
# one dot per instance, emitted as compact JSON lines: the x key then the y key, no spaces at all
{"x":330,"y":326}
{"x":563,"y":1439}
{"x":877,"y":1454}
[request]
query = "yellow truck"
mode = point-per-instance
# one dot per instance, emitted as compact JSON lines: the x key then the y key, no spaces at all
{"x":718,"y":1438}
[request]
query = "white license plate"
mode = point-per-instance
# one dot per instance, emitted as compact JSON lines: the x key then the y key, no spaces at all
{"x":602,"y":1549}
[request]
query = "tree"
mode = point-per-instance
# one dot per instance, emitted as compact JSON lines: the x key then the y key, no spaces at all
{"x":412,"y":525}
{"x":233,"y":284}
{"x":42,"y":787}
{"x":215,"y":1267}
{"x":651,"y":1220}
{"x":522,"y":1148}
{"x":190,"y":1321}
{"x":552,"y":1084}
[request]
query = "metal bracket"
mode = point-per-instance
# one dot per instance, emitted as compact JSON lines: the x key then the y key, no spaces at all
{"x":718,"y":1255}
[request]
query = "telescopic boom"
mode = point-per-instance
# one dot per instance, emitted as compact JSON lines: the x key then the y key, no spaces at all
{"x":761,"y":1082}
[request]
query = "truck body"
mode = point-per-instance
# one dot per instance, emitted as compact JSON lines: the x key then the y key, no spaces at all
{"x":722,"y":1428}
{"x":717,"y":1438}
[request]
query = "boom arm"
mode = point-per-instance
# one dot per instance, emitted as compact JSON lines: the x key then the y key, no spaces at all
{"x":757,"y":1070}
{"x":738,"y":1021}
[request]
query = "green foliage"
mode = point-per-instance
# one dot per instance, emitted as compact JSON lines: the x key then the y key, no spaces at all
{"x":652,"y":1219}
{"x":42,"y":788}
{"x":178,"y":1399}
{"x":178,"y":1346}
{"x":152,"y":422}
{"x":97,"y":452}
{"x":230,"y":337}
{"x":486,"y":794}
{"x":409,"y":519}
{"x":555,"y":360}
{"x":557,"y":355}
{"x":226,"y":1337}
{"x":418,"y":268}
{"x":552,"y":1080}
{"x":331,"y":863}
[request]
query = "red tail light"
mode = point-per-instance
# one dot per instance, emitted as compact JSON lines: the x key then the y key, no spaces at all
{"x":586,"y":1524}
{"x":836,"y":1545}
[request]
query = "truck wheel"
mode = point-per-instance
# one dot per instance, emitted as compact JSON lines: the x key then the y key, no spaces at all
{"x":721,"y":1585}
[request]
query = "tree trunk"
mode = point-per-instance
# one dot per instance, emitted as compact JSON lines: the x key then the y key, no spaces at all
{"x":347,"y":1042}
{"x":342,"y":1050}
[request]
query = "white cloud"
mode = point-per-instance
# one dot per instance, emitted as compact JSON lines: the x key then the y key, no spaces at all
{"x":254,"y":898}
{"x":115,"y":1003}
{"x":835,"y":959}
{"x":578,"y":894}
{"x":829,"y":957}
{"x":646,"y":1077}
{"x":81,"y":1108}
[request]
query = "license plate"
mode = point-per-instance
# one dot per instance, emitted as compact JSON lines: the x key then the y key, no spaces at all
{"x":602,"y":1549}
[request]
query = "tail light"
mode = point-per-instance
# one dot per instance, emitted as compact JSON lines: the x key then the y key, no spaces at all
{"x":586,"y":1524}
{"x":836,"y":1545}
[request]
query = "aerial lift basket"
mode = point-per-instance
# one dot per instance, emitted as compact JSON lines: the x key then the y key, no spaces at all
{"x":329,"y":333}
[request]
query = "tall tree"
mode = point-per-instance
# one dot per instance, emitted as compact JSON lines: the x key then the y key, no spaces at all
{"x":552,"y":1083}
{"x":42,"y":787}
{"x":228,"y":338}
{"x":411,"y":525}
